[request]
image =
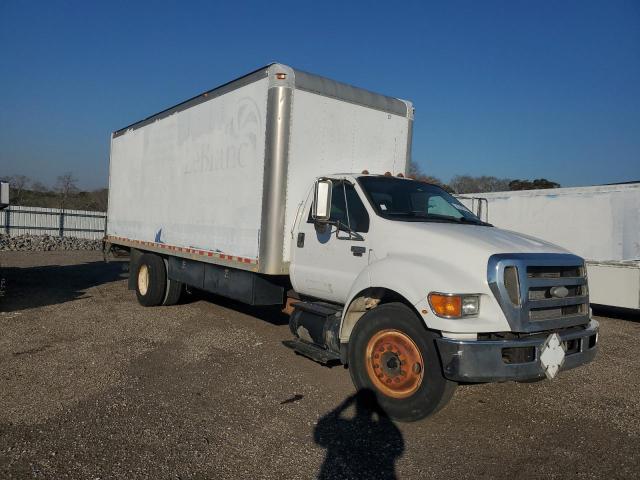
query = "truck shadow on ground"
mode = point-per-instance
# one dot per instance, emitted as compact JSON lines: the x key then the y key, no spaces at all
{"x":271,"y":314}
{"x":365,"y":445}
{"x":32,"y":287}
{"x":616,"y":312}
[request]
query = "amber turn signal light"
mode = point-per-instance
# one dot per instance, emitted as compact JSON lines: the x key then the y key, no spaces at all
{"x":454,"y":305}
{"x":446,"y":305}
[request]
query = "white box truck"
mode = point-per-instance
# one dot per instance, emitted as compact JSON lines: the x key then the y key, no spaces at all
{"x":600,"y":223}
{"x":287,"y":188}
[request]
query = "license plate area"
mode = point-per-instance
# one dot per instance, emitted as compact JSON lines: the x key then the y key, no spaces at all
{"x":552,"y":355}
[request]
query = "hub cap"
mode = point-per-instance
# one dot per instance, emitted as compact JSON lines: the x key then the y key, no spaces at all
{"x":394,"y":363}
{"x":143,"y":280}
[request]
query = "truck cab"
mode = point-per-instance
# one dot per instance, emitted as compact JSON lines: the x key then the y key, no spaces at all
{"x":428,"y":295}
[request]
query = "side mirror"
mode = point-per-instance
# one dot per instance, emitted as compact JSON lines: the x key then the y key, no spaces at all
{"x":322,"y":201}
{"x":4,"y":195}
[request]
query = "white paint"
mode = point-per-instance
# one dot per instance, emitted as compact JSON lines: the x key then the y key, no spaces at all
{"x":195,"y":179}
{"x":600,"y":223}
{"x":412,"y":259}
{"x":329,"y":136}
{"x":616,"y":284}
{"x":552,"y":355}
{"x":325,"y":267}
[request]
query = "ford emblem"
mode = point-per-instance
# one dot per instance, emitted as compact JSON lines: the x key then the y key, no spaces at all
{"x":559,"y":292}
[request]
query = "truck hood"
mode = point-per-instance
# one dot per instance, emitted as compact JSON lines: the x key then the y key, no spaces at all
{"x":414,"y":259}
{"x":445,"y":257}
{"x":470,"y":239}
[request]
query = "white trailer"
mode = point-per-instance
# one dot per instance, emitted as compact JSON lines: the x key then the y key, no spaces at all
{"x":226,"y":171}
{"x":260,"y":190}
{"x":600,"y":223}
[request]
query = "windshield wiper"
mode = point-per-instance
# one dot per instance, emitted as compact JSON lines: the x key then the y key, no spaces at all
{"x":428,"y":217}
{"x":475,"y":222}
{"x":433,"y":217}
{"x":470,"y":221}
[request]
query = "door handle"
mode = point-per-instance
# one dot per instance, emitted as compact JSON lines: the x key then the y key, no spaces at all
{"x":358,"y":250}
{"x":300,"y":242}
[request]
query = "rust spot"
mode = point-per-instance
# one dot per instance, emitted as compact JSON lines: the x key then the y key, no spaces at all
{"x":288,"y":307}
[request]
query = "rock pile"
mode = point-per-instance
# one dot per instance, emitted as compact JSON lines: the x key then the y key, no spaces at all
{"x":43,"y":243}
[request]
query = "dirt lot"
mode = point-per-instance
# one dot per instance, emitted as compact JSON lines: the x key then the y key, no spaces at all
{"x":92,"y":385}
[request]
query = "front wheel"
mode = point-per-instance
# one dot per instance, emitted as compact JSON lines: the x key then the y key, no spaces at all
{"x":391,"y":353}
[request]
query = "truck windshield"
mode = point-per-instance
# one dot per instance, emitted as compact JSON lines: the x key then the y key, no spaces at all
{"x":412,"y":201}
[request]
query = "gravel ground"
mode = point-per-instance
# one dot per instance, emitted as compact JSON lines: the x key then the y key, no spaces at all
{"x":92,"y":385}
{"x":44,"y":243}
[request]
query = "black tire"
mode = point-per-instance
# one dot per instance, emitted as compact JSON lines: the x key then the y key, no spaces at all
{"x":431,"y":393}
{"x":173,"y":293}
{"x":152,"y":267}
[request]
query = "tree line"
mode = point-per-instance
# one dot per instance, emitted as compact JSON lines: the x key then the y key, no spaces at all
{"x":469,"y":184}
{"x":64,"y":193}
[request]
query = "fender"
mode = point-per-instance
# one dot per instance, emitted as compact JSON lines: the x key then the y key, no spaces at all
{"x":413,"y":278}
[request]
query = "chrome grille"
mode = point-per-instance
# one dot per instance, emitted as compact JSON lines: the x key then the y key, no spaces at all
{"x":512,"y":284}
{"x":551,"y":313}
{"x":553,"y":272}
{"x":540,"y":291}
{"x":542,"y":281}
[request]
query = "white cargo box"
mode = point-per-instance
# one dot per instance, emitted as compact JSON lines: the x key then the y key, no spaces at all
{"x":220,"y":177}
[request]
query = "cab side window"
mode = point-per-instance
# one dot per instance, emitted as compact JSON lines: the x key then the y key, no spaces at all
{"x":357,"y":216}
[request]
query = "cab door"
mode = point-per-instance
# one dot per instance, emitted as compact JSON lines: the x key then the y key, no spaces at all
{"x":326,"y":258}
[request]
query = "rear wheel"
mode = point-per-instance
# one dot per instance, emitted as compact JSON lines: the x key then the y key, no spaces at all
{"x":396,"y":357}
{"x":173,"y":293}
{"x":151,"y":280}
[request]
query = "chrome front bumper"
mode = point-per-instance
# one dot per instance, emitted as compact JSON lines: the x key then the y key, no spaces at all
{"x":486,"y":360}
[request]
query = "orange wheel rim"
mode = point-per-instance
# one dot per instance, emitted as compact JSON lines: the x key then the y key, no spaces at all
{"x":394,"y":363}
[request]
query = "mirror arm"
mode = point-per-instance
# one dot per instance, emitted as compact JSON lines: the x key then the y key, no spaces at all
{"x":341,"y":226}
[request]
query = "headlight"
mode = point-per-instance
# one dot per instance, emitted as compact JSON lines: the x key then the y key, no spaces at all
{"x":454,"y":306}
{"x":470,"y":305}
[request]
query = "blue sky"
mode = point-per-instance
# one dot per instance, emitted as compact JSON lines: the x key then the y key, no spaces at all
{"x":517,"y":89}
